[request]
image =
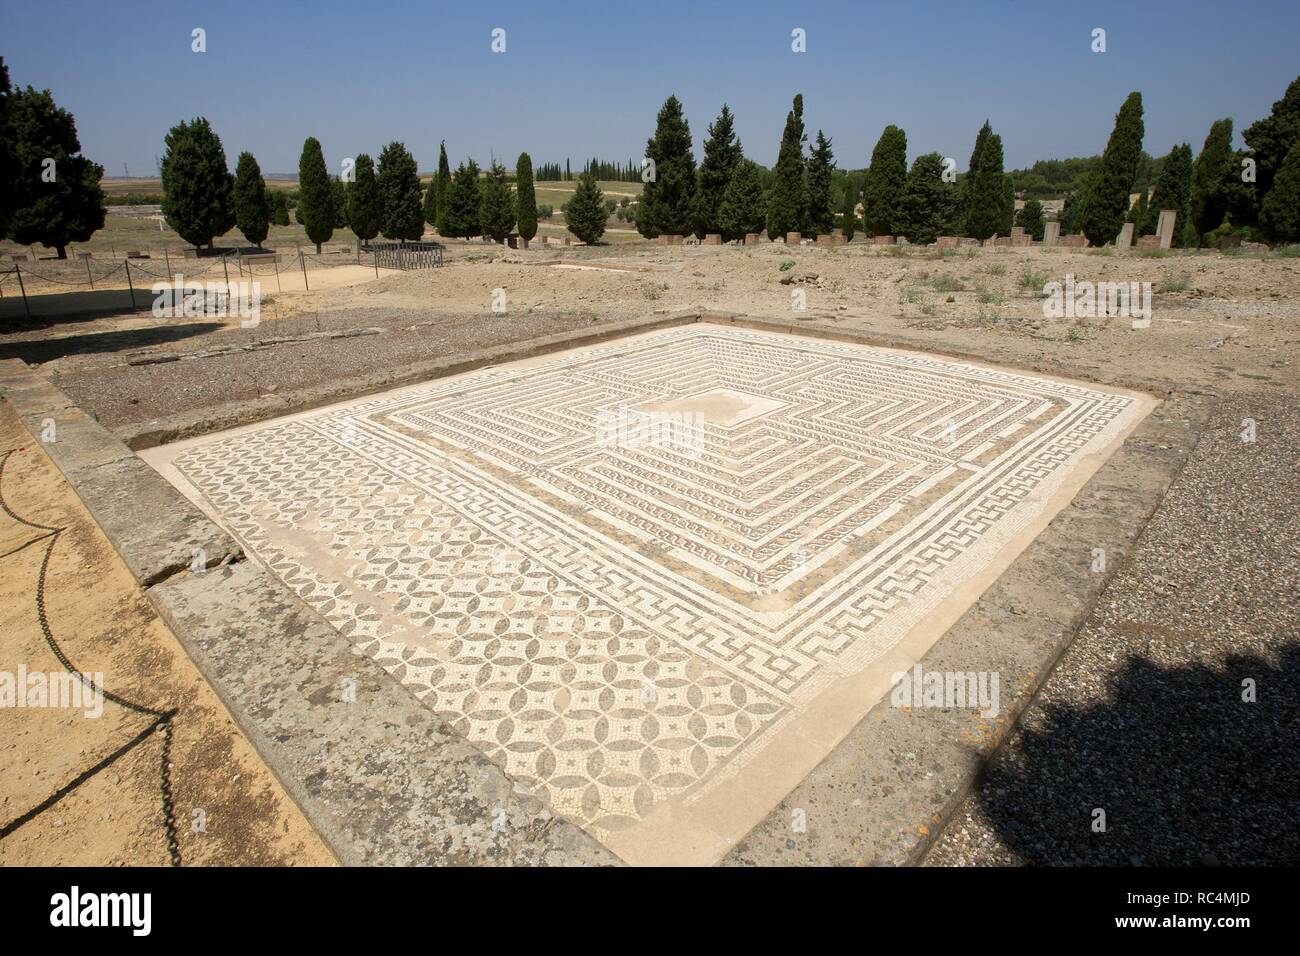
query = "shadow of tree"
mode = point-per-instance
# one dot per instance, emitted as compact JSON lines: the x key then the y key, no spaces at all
{"x":1185,"y":770}
{"x":117,"y":340}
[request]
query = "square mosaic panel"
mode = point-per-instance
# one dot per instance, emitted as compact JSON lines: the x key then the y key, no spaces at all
{"x":660,"y":627}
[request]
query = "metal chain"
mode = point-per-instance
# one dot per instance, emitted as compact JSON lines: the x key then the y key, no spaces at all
{"x":162,"y":718}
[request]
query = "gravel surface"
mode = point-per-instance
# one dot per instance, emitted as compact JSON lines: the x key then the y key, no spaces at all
{"x":120,"y":393}
{"x":1144,"y":716}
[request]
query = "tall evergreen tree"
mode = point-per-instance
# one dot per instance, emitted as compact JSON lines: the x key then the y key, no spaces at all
{"x":883,"y":193}
{"x":462,"y":220}
{"x":364,"y":208}
{"x":787,"y":201}
{"x":1139,"y":214}
{"x":53,"y":205}
{"x":443,"y":181}
{"x":399,"y":194}
{"x":1008,"y":205}
{"x":668,"y":202}
{"x":1279,"y":218}
{"x":429,"y":209}
{"x":315,"y":194}
{"x":340,"y":189}
{"x":1173,"y":191}
{"x":743,"y":208}
{"x":198,"y":190}
{"x":849,"y":208}
{"x":8,"y":159}
{"x":722,"y":154}
{"x":1215,"y":177}
{"x":821,"y":169}
{"x":496,"y":214}
{"x":525,"y":198}
{"x":251,"y":214}
{"x":1104,"y":202}
{"x":1271,"y":138}
{"x":277,"y":207}
{"x":929,"y":206}
{"x":1030,"y":218}
{"x":985,"y":194}
{"x":585,"y":214}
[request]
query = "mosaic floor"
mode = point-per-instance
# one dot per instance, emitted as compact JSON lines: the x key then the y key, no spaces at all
{"x":659,"y":579}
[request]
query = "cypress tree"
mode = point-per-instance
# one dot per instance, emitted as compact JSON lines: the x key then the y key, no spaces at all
{"x":1279,"y":217}
{"x":340,"y":202}
{"x":198,"y":190}
{"x":463,"y":201}
{"x":429,"y":210}
{"x":496,"y":206}
{"x":668,"y":203}
{"x":364,"y":210}
{"x":1069,"y":214}
{"x":8,"y":160}
{"x":443,"y":181}
{"x":525,"y":198}
{"x":985,"y":186}
{"x":250,"y":200}
{"x":787,"y":201}
{"x":1008,"y":205}
{"x":585,"y":214}
{"x":399,"y":194}
{"x":1215,"y":169}
{"x":1139,"y":214}
{"x":1271,"y":138}
{"x":821,"y":166}
{"x":722,"y":154}
{"x":277,"y":207}
{"x":928,"y":206}
{"x":1173,"y":191}
{"x":1030,"y":218}
{"x":71,"y":207}
{"x":1104,"y":203}
{"x":315,"y":194}
{"x":849,"y":208}
{"x":743,"y":208}
{"x":886,"y":177}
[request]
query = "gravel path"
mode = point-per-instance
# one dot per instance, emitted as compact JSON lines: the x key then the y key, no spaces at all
{"x":1144,"y":716}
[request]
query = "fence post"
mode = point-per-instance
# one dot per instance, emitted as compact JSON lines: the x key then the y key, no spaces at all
{"x":89,"y":277}
{"x":167,"y":259}
{"x":374,"y":254}
{"x":225,"y":269}
{"x":23,"y":289}
{"x":303,"y":262}
{"x":129,"y":284}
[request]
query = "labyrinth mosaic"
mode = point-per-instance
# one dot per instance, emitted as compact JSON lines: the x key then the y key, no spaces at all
{"x":652,"y":578}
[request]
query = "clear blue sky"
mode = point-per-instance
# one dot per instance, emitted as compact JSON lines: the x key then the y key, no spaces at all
{"x":579,"y":80}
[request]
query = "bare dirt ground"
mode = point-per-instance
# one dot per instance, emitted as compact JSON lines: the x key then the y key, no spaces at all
{"x":111,"y":811}
{"x":1220,"y":322}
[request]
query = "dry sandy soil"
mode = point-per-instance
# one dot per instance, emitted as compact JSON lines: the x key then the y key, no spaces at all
{"x":111,"y":811}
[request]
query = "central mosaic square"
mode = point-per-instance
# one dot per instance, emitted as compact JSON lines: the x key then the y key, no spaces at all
{"x":660,"y":630}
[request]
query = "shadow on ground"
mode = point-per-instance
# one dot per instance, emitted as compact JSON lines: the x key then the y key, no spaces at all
{"x":1187,"y":773}
{"x":47,"y":349}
